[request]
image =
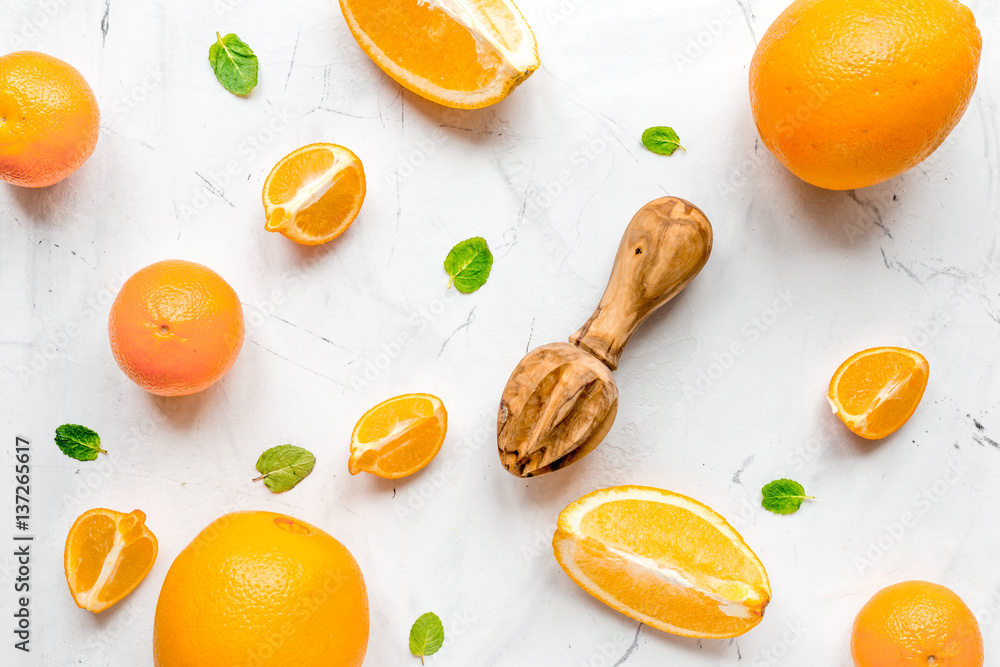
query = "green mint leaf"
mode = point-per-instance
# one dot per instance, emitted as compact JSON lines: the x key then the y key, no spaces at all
{"x":234,"y":63}
{"x":284,"y":466}
{"x":426,"y":636}
{"x":783,"y":496}
{"x":79,"y":442}
{"x":469,"y":264}
{"x":661,"y":140}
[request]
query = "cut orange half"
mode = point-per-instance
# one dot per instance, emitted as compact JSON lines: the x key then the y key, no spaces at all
{"x":466,"y":54}
{"x":399,"y":436}
{"x":107,"y":554}
{"x":663,"y":559}
{"x":876,"y":391}
{"x":314,"y":193}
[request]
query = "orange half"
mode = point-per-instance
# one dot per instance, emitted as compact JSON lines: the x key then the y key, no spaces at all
{"x":466,"y":54}
{"x":663,"y":559}
{"x":314,"y":193}
{"x":877,"y":390}
{"x":107,"y":554}
{"x":399,"y":436}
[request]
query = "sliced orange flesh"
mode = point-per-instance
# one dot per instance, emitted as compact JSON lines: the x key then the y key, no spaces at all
{"x":876,"y":391}
{"x":663,"y":559}
{"x":107,"y":554}
{"x":399,"y":436}
{"x":461,"y":53}
{"x":314,"y":193}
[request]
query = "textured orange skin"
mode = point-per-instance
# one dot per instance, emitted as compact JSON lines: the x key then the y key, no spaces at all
{"x":50,"y":119}
{"x":264,"y":589}
{"x":906,"y":624}
{"x":850,"y":93}
{"x":204,"y":327}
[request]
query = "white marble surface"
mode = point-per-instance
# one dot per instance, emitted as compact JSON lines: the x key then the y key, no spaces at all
{"x":549,"y":177}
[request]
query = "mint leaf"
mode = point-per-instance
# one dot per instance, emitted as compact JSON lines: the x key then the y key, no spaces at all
{"x":284,"y":466}
{"x":426,"y":636}
{"x":469,"y":264}
{"x":783,"y":496}
{"x":234,"y":63}
{"x":79,"y":442}
{"x":661,"y":140}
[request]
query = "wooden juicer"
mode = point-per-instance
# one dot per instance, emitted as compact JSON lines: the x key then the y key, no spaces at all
{"x":561,"y":400}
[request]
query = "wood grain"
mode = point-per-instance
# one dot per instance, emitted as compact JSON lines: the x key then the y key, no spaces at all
{"x":559,"y":404}
{"x":561,"y":400}
{"x":664,"y":247}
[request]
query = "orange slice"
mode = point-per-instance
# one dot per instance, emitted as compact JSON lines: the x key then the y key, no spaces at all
{"x":314,"y":193}
{"x":466,"y":54}
{"x":663,"y":559}
{"x":107,"y":554}
{"x":399,"y":436}
{"x":876,"y":391}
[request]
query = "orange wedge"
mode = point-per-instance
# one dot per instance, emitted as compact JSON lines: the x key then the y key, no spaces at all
{"x":663,"y":559}
{"x":399,"y":436}
{"x":314,"y":193}
{"x":466,"y":54}
{"x":876,"y":391}
{"x":107,"y":554}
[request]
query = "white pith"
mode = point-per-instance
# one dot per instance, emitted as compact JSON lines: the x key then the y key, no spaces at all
{"x":674,"y":576}
{"x":358,"y":447}
{"x":89,"y":599}
{"x":519,"y":61}
{"x":570,"y":536}
{"x":515,"y":64}
{"x":890,"y":391}
{"x":311,"y":192}
{"x":399,"y":429}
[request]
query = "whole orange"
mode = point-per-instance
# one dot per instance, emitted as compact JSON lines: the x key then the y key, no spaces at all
{"x":262,"y":589}
{"x":48,"y":119}
{"x":916,"y":623}
{"x":176,"y":327}
{"x":850,"y":93}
